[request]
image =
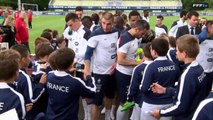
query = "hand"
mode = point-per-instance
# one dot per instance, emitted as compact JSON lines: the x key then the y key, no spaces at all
{"x":155,"y":113}
{"x":156,"y":88}
{"x":29,"y":107}
{"x":112,"y":69}
{"x":43,"y":79}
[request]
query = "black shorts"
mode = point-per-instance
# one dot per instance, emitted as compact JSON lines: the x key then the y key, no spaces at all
{"x":105,"y":87}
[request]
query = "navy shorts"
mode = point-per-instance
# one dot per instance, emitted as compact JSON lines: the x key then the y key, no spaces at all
{"x":122,"y":82}
{"x":105,"y":86}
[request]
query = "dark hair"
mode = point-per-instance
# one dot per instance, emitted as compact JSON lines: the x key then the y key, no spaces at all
{"x":42,"y":50}
{"x":119,"y":22}
{"x":183,"y":13}
{"x":55,"y":33}
{"x":78,"y":8}
{"x":160,"y":45}
{"x":71,"y":16}
{"x":134,"y":13}
{"x":47,"y":30}
{"x":47,"y":35}
{"x":192,"y":13}
{"x":172,"y":41}
{"x":8,"y":64}
{"x":147,"y":52}
{"x":95,"y":18}
{"x":160,"y":17}
{"x":149,"y":36}
{"x":21,"y":49}
{"x":87,"y":21}
{"x":141,"y":24}
{"x":64,"y":58}
{"x":59,"y":40}
{"x":189,"y":44}
{"x":209,"y":23}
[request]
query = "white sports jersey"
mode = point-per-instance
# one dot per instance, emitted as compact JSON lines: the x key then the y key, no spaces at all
{"x":205,"y":56}
{"x":127,"y":44}
{"x":175,"y":26}
{"x":77,"y":41}
{"x":105,"y":52}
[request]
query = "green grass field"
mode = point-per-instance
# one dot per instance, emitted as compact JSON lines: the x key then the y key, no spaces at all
{"x":57,"y":23}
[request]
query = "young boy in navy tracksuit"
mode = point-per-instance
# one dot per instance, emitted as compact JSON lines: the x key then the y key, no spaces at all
{"x":204,"y":110}
{"x":134,"y":94}
{"x":24,"y":84}
{"x":161,"y":71}
{"x":191,"y":85}
{"x":65,"y":90}
{"x":42,"y":52}
{"x":9,"y":98}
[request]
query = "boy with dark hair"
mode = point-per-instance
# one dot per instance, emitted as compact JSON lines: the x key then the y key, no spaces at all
{"x":134,"y":95}
{"x":191,"y":87}
{"x":171,"y":54}
{"x":63,"y":86}
{"x":162,"y":71}
{"x":60,"y":43}
{"x":9,"y":98}
{"x":55,"y":37}
{"x":24,"y":85}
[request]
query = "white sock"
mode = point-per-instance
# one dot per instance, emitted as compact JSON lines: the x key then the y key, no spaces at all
{"x":121,"y":115}
{"x":84,"y":103}
{"x":113,"y":112}
{"x":107,"y":114}
{"x":89,"y":112}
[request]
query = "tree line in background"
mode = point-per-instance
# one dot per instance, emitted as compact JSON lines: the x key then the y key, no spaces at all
{"x":43,"y":4}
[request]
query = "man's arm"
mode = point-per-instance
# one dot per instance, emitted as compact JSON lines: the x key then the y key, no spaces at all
{"x":123,"y":61}
{"x":87,"y":59}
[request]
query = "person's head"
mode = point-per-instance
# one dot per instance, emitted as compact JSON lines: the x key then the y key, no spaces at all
{"x":9,"y":65}
{"x":73,"y":21}
{"x":10,"y":21}
{"x":160,"y":47}
{"x":64,"y":59}
{"x":149,"y":36}
{"x":140,"y":28}
{"x":187,"y":46}
{"x":29,"y":10}
{"x":107,"y":21}
{"x":159,"y":20}
{"x":22,"y":14}
{"x":203,"y":21}
{"x":87,"y":21}
{"x":42,"y":51}
{"x":55,"y":34}
{"x":79,"y":11}
{"x":25,"y":55}
{"x":192,"y":18}
{"x":147,"y":51}
{"x":183,"y":15}
{"x":5,"y":15}
{"x":172,"y":41}
{"x":40,"y":40}
{"x":95,"y":18}
{"x":146,"y":13}
{"x":48,"y":30}
{"x":47,"y":35}
{"x":119,"y":23}
{"x":133,"y":17}
{"x":209,"y":25}
{"x":61,"y":43}
{"x":51,"y":60}
{"x":124,"y":16}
